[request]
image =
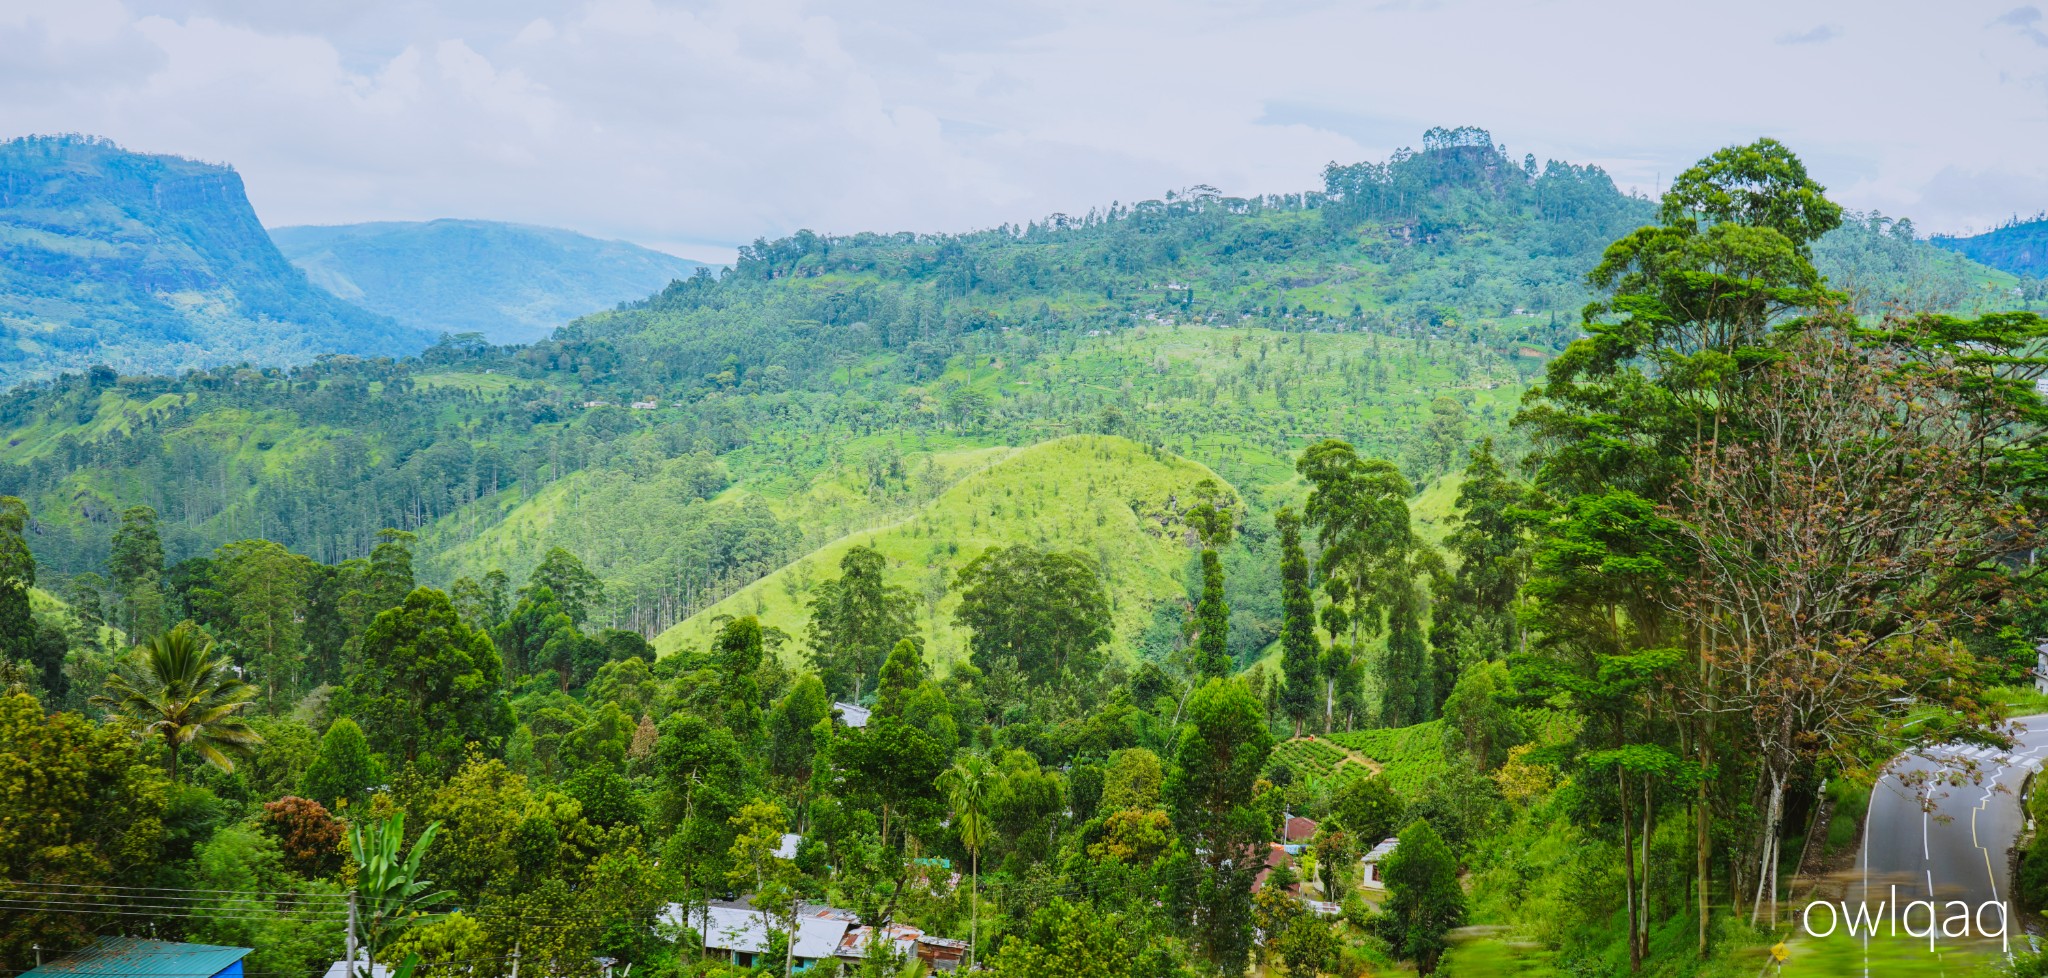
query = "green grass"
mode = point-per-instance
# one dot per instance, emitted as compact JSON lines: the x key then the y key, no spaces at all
{"x":2019,"y":701}
{"x":1103,"y":496}
{"x":479,"y":383}
{"x":1841,"y":955}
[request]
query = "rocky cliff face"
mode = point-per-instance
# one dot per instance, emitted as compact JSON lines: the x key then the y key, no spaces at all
{"x":153,"y":263}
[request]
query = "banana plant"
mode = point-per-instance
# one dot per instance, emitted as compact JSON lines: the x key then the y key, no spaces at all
{"x":389,"y":890}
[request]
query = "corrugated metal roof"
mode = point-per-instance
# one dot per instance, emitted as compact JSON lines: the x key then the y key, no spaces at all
{"x":120,"y":957}
{"x":741,"y":929}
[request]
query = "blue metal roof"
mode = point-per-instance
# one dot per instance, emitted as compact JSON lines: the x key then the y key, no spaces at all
{"x":124,"y":957}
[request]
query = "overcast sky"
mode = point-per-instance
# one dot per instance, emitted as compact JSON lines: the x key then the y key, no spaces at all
{"x":695,"y":127}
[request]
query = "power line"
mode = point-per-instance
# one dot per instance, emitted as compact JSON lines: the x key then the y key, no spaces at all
{"x":156,"y":903}
{"x":168,"y":889}
{"x":47,"y":906}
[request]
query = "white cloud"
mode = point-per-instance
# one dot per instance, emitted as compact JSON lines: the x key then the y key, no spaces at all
{"x":701,"y":125}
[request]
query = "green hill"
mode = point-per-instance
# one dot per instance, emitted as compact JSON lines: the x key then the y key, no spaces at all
{"x":2019,"y":247}
{"x":691,"y":443}
{"x":1107,"y":497}
{"x":514,"y":283}
{"x":153,"y":264}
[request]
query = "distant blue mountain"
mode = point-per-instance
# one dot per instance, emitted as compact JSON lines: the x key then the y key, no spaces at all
{"x":514,"y":283}
{"x":153,"y":264}
{"x":2019,"y":247}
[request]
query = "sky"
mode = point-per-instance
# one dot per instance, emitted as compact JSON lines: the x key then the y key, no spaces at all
{"x":696,"y":127}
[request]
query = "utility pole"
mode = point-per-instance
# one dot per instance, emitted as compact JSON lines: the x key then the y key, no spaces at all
{"x":515,"y":961}
{"x":351,"y":939}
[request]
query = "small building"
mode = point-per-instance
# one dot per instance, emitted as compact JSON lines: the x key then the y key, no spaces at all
{"x":1370,"y":878}
{"x":135,"y":957}
{"x":941,"y":953}
{"x":646,"y":405}
{"x":1298,"y":830}
{"x":340,"y":969}
{"x":901,"y":940}
{"x":739,"y":934}
{"x":1276,"y":857}
{"x":787,"y":849}
{"x":2041,"y":668}
{"x":852,"y":715}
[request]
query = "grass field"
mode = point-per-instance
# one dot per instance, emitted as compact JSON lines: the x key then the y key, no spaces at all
{"x":1103,"y":496}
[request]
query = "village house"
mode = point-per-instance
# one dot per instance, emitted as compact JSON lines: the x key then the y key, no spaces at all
{"x":852,"y":715}
{"x":135,"y":957}
{"x":1370,"y":878}
{"x":739,"y":934}
{"x":1296,"y":833}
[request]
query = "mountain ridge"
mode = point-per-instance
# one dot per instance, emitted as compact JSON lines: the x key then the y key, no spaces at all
{"x":511,"y":282}
{"x":153,"y":263}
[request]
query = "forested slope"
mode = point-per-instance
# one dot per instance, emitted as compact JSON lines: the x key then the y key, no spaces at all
{"x":1400,"y":307}
{"x":1603,"y":673}
{"x":2017,"y":246}
{"x":1108,"y":498}
{"x":153,"y":264}
{"x":514,"y":283}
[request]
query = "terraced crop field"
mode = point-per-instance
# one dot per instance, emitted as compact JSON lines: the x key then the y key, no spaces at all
{"x":1410,"y":756}
{"x":1312,"y":759}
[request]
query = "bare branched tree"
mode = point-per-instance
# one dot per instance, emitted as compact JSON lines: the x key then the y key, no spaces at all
{"x":1840,"y":529}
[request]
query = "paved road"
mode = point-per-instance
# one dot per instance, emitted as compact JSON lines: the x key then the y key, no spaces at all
{"x":1959,"y":850}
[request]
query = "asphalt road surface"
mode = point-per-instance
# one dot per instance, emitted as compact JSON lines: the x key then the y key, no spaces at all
{"x":1958,"y":850}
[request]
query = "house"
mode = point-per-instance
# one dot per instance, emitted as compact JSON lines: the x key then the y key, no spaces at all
{"x":739,"y":934}
{"x":791,"y":842}
{"x":646,"y":405}
{"x":941,"y":953}
{"x":901,"y":940}
{"x":135,"y":957}
{"x":852,"y":715}
{"x":1276,"y":857}
{"x":2041,"y":668}
{"x":1370,"y":862}
{"x":905,"y":942}
{"x":1298,"y":830}
{"x":340,"y":969}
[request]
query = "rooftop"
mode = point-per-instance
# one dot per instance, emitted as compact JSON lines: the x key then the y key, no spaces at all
{"x":119,"y":957}
{"x":741,"y":929}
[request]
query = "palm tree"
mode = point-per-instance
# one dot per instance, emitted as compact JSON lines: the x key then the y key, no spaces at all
{"x":175,"y":687}
{"x":973,"y":787}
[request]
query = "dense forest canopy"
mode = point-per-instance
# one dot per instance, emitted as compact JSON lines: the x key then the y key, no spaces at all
{"x":1468,"y":542}
{"x":1453,"y":257}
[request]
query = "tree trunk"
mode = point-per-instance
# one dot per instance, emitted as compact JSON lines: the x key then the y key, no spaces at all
{"x":1628,"y":868}
{"x":1702,"y":816}
{"x":1649,"y":827}
{"x":1767,"y":861}
{"x":974,"y":914}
